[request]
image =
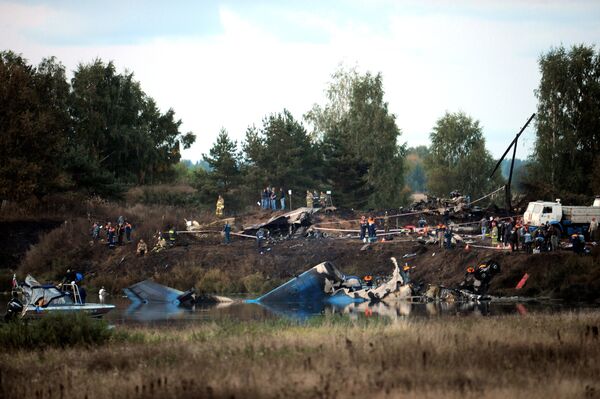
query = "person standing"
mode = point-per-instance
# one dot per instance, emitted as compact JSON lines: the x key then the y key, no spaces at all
{"x":128,"y":231}
{"x":260,"y":236}
{"x":527,"y":240}
{"x":484,"y":227}
{"x":273,"y":199}
{"x":220,"y":206}
{"x":282,"y":198}
{"x":309,"y":199}
{"x":372,"y":229}
{"x":363,"y":228}
{"x":494,"y":234}
{"x":227,"y":231}
{"x":593,"y":230}
{"x":110,"y":230}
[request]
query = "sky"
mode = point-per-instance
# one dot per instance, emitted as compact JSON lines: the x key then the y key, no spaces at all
{"x":228,"y":64}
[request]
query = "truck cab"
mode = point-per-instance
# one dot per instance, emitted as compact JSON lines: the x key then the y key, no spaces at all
{"x":539,"y":213}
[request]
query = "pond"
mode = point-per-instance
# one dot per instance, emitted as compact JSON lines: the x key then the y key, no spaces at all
{"x":127,"y":312}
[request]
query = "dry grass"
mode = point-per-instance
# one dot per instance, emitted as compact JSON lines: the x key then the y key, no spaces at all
{"x":536,"y":356}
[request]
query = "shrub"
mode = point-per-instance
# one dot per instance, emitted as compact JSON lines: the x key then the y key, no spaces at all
{"x":54,"y":330}
{"x":217,"y":281}
{"x":253,"y":283}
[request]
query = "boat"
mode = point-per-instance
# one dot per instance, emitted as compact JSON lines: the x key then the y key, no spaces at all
{"x":43,"y":299}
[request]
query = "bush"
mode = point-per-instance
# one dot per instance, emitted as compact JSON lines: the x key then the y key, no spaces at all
{"x":253,"y":283}
{"x":54,"y":330}
{"x":218,"y":282}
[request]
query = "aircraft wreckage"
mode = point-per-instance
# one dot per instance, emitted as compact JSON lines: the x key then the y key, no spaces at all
{"x":325,"y":284}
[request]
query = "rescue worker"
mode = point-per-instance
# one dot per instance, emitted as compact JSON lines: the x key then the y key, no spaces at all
{"x":172,"y":236}
{"x":323,"y":200}
{"x":161,"y":243}
{"x":227,"y":232}
{"x":363,"y":228}
{"x":220,"y":206}
{"x":309,"y":199}
{"x":142,"y":248}
{"x":494,"y":234}
{"x":422,"y":222}
{"x":514,"y":240}
{"x":386,"y":223}
{"x":372,"y":229}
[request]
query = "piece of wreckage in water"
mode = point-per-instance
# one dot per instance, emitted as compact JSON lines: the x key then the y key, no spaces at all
{"x":324,"y":283}
{"x":291,"y":223}
{"x":148,"y":291}
{"x":474,"y":287}
{"x":43,"y":299}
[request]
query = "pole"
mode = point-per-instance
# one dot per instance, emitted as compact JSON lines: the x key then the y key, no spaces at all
{"x":508,"y":193}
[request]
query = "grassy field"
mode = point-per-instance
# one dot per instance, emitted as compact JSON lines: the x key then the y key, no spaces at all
{"x":534,"y":356}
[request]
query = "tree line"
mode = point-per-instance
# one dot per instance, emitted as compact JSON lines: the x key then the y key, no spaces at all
{"x":100,"y":132}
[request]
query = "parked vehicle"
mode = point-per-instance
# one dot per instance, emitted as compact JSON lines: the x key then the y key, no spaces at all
{"x":569,"y":219}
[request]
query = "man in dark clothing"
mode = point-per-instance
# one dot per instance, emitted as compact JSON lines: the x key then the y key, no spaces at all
{"x":260,"y":236}
{"x":227,"y":231}
{"x":82,"y":294}
{"x":13,"y":308}
{"x":363,"y":227}
{"x":128,"y":231}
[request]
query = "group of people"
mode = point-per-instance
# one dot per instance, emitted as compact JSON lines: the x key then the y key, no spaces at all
{"x":321,"y":200}
{"x":272,"y":199}
{"x":368,"y":228}
{"x":513,"y":233}
{"x":115,"y":234}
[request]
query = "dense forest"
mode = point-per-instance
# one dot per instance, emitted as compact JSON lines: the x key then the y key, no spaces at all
{"x":100,"y":134}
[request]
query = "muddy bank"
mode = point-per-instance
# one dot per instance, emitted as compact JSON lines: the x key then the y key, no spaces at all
{"x":211,"y":266}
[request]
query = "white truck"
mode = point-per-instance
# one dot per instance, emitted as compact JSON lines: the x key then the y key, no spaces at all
{"x":570,"y":219}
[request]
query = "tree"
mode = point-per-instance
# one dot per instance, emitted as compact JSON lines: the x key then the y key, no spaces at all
{"x":33,"y":126}
{"x":458,"y":159}
{"x":363,"y":161}
{"x":568,"y":119}
{"x":119,"y":133}
{"x":224,"y":174}
{"x":281,"y":154}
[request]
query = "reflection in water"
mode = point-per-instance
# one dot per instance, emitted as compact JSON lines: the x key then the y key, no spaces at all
{"x":126,"y":312}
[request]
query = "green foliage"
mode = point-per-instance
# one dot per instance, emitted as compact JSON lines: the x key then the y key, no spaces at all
{"x":363,"y":162}
{"x":223,"y":174}
{"x":119,"y":133}
{"x":56,"y":331}
{"x":458,"y":159}
{"x":281,"y":154}
{"x":568,"y":119}
{"x":33,"y":126}
{"x":98,"y":133}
